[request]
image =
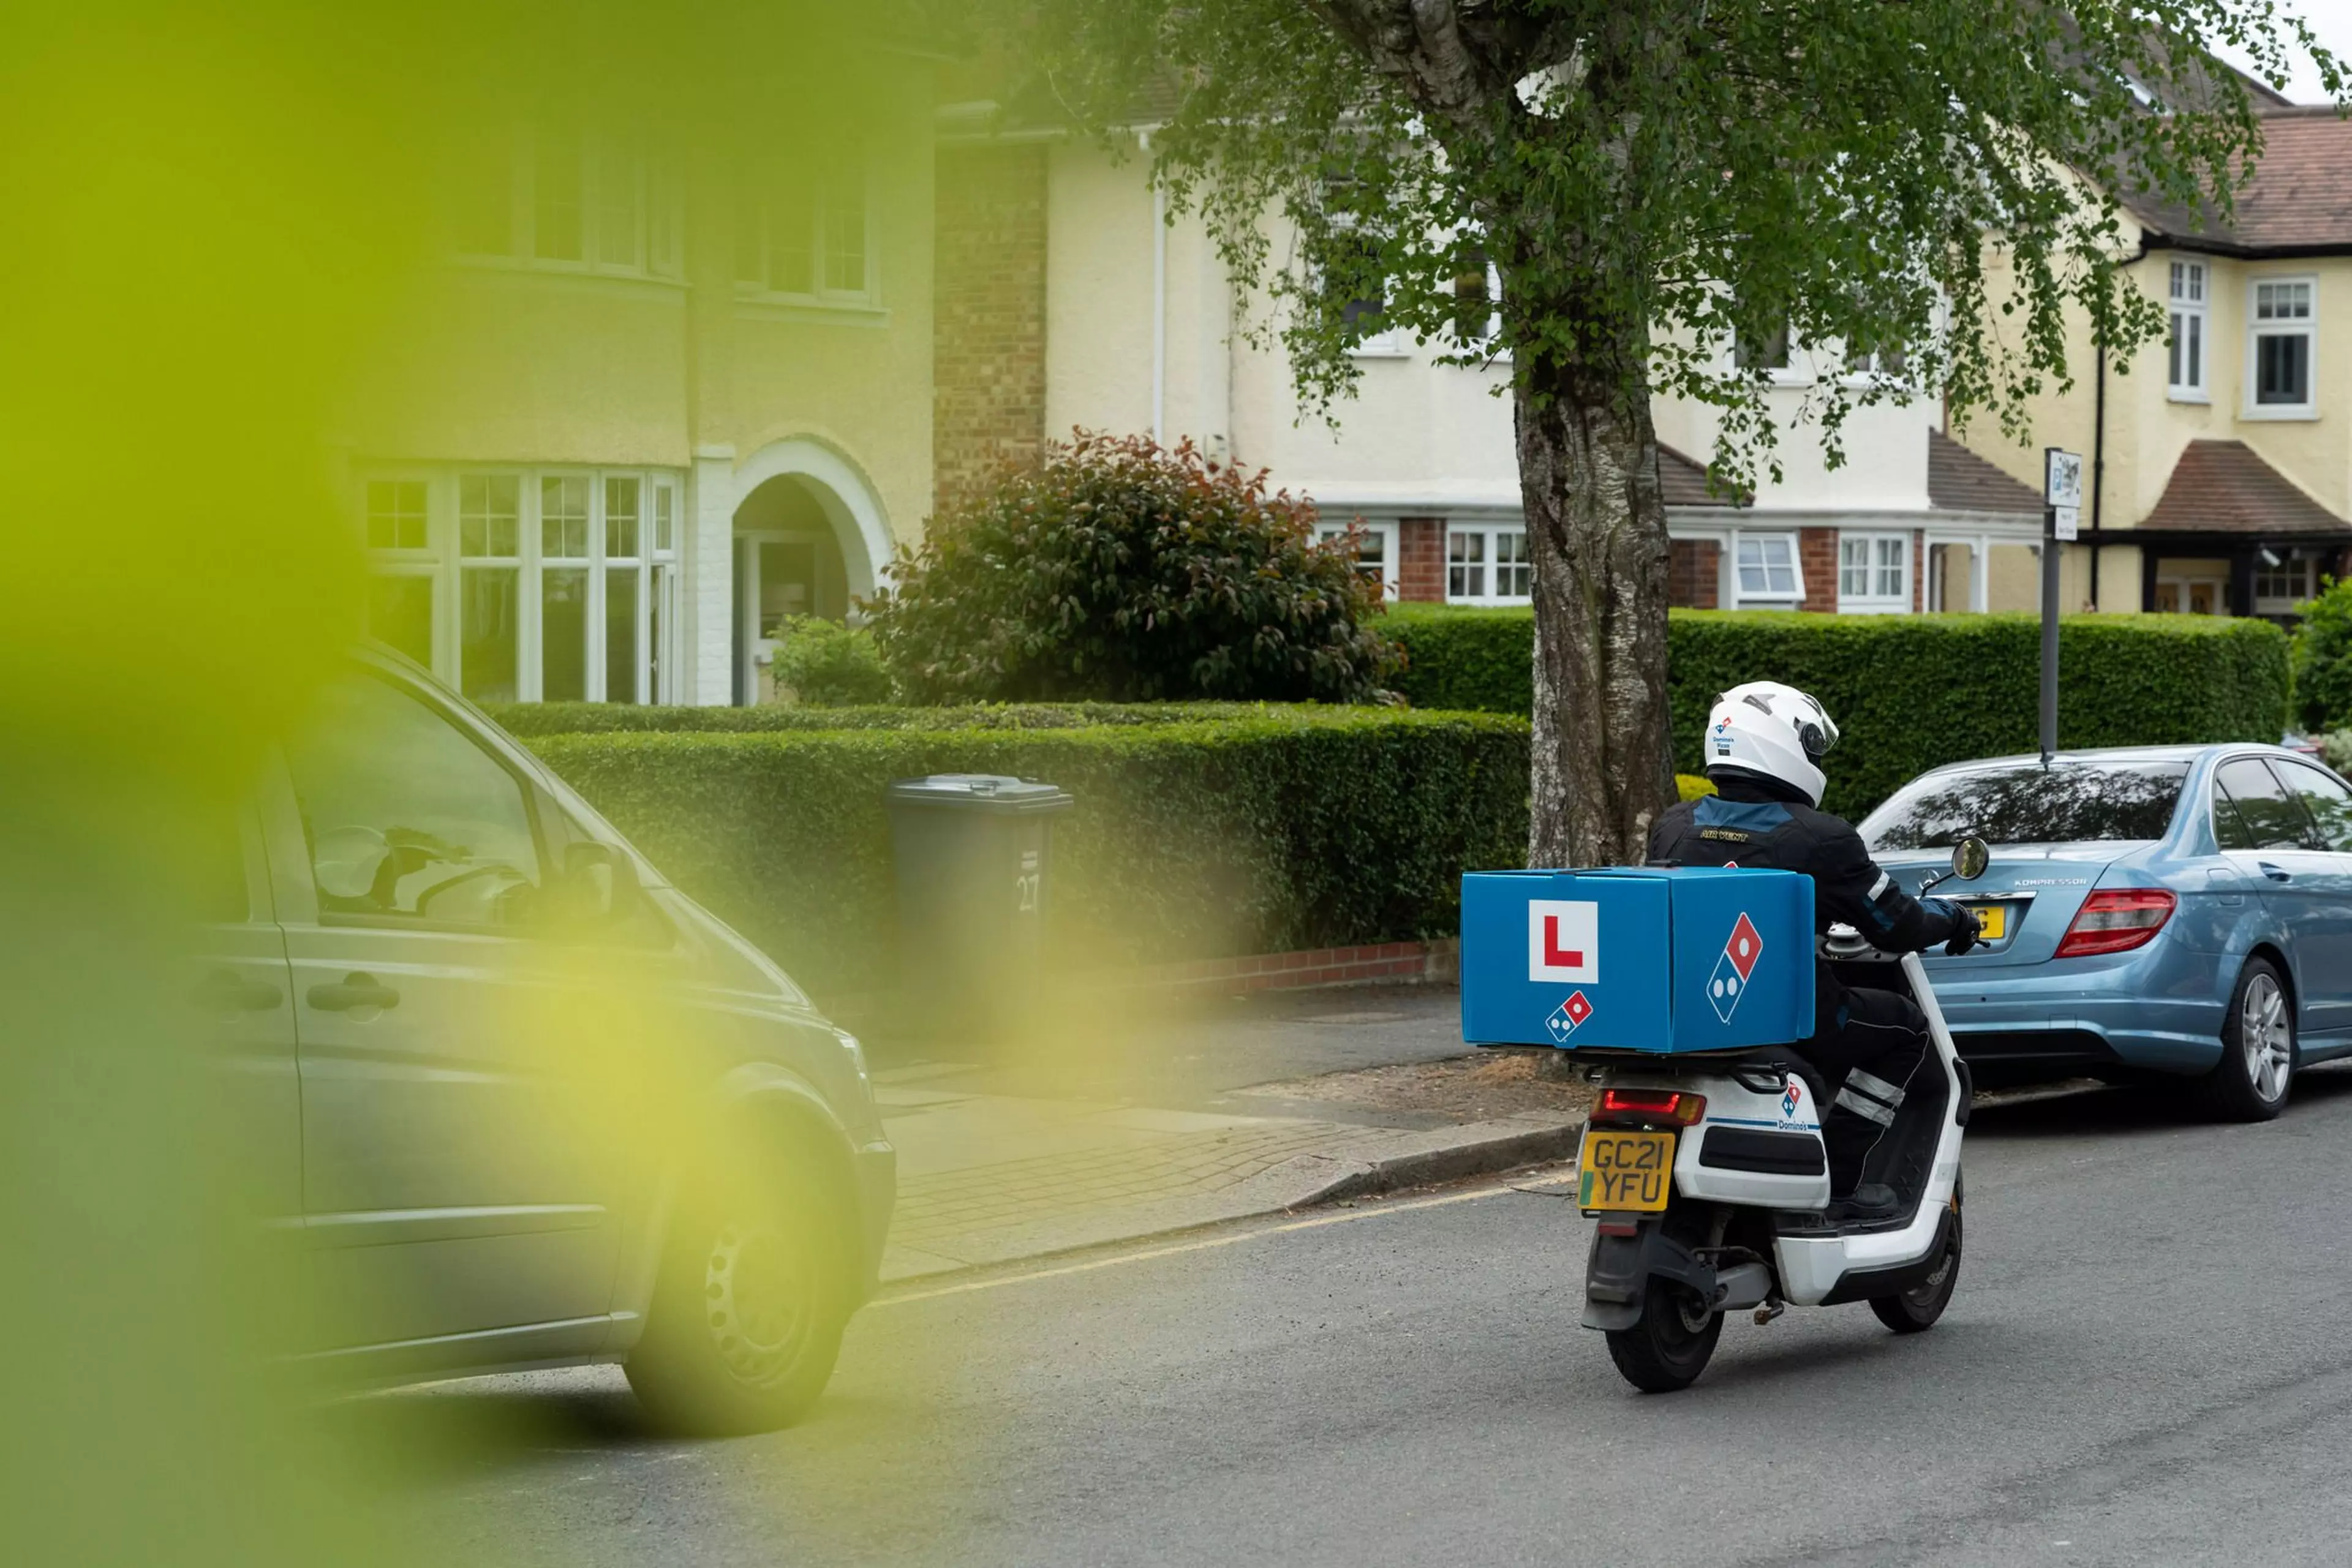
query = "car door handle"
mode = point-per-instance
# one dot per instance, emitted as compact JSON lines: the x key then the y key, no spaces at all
{"x":2276,"y":873}
{"x":227,"y":991}
{"x":352,"y":992}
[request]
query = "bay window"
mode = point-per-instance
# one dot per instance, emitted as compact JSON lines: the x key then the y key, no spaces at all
{"x":2283,"y":334}
{"x":2185,"y":376}
{"x":560,"y":583}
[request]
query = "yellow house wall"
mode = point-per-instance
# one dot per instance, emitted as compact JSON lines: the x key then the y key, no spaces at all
{"x":2147,"y":428}
{"x":513,"y":364}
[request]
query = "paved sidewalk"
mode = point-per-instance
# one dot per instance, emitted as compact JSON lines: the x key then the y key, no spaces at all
{"x":1189,"y":1115}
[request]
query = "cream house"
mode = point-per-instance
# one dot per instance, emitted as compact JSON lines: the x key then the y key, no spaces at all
{"x":1068,"y":300}
{"x":2218,"y":474}
{"x":654,"y":397}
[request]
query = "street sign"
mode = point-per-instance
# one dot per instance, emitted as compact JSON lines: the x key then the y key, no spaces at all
{"x":2061,"y":478}
{"x":2064,"y":522}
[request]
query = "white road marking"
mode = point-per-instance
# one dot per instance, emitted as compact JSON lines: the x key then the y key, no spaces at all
{"x":1347,"y":1217}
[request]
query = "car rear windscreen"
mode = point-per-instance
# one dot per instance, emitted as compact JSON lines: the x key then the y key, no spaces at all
{"x":2067,"y":802}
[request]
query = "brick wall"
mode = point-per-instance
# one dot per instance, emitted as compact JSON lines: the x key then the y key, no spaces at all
{"x":1694,"y":574}
{"x":1421,"y":560}
{"x":1918,"y":569}
{"x":988,"y":389}
{"x":1817,"y":554}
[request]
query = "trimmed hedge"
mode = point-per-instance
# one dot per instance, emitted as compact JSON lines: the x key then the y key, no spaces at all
{"x":1908,"y":692}
{"x":527,"y":719}
{"x":1193,"y":838}
{"x":1465,"y":659}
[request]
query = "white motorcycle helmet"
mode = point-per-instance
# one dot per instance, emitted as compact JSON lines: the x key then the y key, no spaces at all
{"x":1772,"y":730}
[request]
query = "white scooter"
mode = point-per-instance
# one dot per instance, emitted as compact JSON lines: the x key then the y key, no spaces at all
{"x":1708,"y":1180}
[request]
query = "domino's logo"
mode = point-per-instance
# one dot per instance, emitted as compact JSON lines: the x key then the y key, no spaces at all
{"x":1565,"y":1018}
{"x":1729,"y":982}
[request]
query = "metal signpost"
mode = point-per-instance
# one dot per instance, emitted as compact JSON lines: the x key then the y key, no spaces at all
{"x":2061,"y":500}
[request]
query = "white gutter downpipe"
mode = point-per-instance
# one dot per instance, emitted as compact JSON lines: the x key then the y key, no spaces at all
{"x":1158,"y":302}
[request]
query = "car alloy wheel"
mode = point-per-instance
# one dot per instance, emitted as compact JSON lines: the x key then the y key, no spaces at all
{"x":2265,"y":1036}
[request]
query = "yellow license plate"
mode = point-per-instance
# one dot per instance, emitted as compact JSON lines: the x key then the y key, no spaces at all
{"x":1992,"y":921}
{"x":1625,"y":1172}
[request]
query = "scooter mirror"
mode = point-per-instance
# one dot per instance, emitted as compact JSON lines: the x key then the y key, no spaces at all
{"x":1970,"y":859}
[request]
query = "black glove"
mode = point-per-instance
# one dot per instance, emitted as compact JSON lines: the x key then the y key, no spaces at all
{"x":1964,"y":929}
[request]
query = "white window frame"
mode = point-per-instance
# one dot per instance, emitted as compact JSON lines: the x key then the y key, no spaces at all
{"x":657,"y":237}
{"x":2182,"y":582}
{"x":1798,"y":372}
{"x":2189,"y":292}
{"x":1383,"y":533}
{"x":2257,"y":329}
{"x":1481,"y":579}
{"x":1740,"y":596}
{"x":2301,"y":567}
{"x":1493,"y":330}
{"x":1873,"y":600}
{"x":657,"y":570}
{"x":822,"y":295}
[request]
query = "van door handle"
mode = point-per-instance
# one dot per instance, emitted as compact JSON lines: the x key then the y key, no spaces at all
{"x":354,"y":990}
{"x":227,"y":991}
{"x":2275,"y":873}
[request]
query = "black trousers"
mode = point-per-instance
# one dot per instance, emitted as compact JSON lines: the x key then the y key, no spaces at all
{"x":1868,"y":1060}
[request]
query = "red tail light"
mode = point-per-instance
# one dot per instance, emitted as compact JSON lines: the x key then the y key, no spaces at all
{"x":2116,"y":921}
{"x":1649,"y":1105}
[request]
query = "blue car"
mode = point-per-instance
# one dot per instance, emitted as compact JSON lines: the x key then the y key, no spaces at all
{"x":2174,"y":910}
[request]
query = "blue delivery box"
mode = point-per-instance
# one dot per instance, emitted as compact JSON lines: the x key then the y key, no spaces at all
{"x":1695,"y":958}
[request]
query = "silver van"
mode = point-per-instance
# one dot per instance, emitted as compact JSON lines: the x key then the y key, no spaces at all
{"x":521,"y":1103}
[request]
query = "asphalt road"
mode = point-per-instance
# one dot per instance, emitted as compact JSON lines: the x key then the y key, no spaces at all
{"x":2148,"y":1360}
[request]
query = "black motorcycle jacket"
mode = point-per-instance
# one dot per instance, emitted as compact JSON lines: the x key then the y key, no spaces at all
{"x":1759,"y":822}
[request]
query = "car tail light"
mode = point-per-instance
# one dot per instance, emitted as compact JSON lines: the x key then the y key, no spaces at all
{"x":2116,"y":921}
{"x":1649,"y":1105}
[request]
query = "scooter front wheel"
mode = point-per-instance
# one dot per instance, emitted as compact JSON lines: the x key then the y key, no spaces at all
{"x":1671,"y":1345}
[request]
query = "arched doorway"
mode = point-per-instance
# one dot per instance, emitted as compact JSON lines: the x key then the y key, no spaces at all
{"x":808,"y":539}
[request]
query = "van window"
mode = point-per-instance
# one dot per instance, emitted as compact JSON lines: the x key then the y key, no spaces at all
{"x":407,"y":817}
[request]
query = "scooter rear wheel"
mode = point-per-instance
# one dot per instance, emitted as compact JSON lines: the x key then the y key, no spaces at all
{"x":1671,"y":1345}
{"x":1917,"y":1310}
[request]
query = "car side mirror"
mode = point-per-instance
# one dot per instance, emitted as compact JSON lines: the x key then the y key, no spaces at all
{"x":1970,"y":858}
{"x":600,"y":883}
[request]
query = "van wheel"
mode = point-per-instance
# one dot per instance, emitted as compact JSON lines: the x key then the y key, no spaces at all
{"x":1917,"y":1310}
{"x":756,"y":1285}
{"x":2259,"y":1055}
{"x":1671,"y":1345}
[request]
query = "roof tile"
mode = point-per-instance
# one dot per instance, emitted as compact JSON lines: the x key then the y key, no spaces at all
{"x":1683,"y":483}
{"x":2222,"y":487}
{"x":1959,"y":480}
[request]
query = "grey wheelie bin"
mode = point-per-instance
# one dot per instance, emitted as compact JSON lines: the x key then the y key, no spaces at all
{"x":974,"y":859}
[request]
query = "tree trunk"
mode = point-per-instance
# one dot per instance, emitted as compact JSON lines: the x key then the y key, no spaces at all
{"x":1603,"y":761}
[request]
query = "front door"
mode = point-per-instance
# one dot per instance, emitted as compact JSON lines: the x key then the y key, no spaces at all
{"x":445,"y":1198}
{"x":776,"y":577}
